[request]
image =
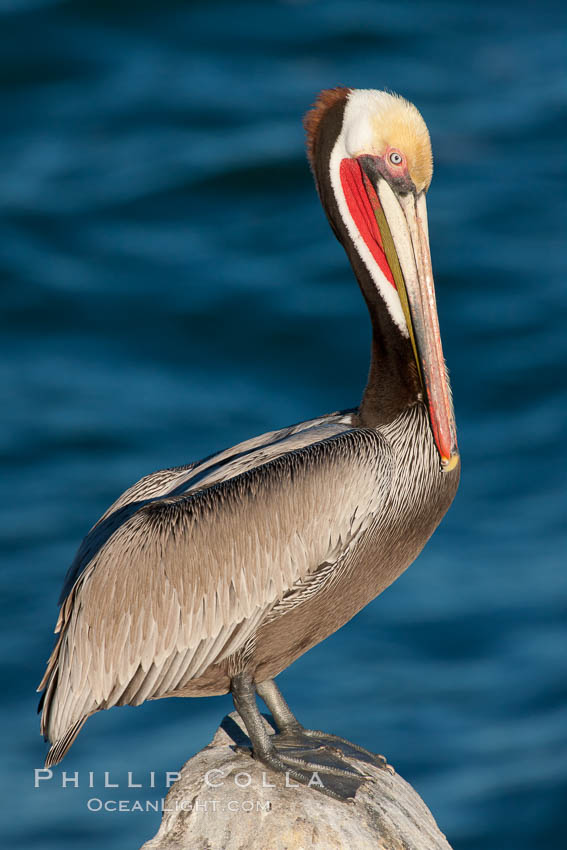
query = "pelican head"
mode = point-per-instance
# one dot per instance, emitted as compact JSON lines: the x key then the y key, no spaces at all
{"x":370,"y":153}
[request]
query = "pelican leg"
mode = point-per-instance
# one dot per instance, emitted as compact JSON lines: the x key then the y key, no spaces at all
{"x":286,"y":720}
{"x":290,"y":727}
{"x":338,"y":780}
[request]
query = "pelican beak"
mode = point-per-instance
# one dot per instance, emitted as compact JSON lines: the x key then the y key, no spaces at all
{"x":402,"y":220}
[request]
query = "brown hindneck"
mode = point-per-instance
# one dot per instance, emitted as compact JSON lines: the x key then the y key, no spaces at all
{"x":393,"y":385}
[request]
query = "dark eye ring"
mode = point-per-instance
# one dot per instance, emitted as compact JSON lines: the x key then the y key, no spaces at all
{"x":396,"y":158}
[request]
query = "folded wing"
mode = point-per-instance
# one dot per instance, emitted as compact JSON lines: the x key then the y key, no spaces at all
{"x":182,"y":582}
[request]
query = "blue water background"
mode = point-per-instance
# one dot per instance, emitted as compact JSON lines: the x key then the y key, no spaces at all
{"x":170,"y":286}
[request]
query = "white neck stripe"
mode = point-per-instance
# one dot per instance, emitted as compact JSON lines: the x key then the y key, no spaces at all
{"x":385,"y":289}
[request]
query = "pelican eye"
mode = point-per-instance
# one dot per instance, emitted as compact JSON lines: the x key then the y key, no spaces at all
{"x":396,"y":158}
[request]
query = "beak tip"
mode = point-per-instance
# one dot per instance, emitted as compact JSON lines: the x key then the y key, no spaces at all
{"x":449,"y":463}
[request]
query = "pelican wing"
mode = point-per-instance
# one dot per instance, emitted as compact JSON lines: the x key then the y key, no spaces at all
{"x":184,"y":581}
{"x":184,"y":479}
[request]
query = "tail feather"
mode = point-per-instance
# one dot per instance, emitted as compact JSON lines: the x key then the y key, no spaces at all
{"x":58,"y":750}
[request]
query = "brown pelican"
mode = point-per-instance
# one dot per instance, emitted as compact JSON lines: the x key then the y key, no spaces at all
{"x":214,"y":577}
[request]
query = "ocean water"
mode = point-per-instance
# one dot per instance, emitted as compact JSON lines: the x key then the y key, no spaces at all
{"x":170,"y":287}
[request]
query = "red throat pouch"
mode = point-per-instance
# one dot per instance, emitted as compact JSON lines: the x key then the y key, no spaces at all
{"x":362,"y":200}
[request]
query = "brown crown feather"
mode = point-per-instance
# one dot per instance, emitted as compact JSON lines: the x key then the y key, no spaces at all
{"x":324,"y":101}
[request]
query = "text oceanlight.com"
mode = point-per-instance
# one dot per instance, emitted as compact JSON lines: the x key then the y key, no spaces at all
{"x":95,"y":804}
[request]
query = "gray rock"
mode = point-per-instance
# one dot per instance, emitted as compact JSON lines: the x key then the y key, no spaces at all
{"x":224,"y":800}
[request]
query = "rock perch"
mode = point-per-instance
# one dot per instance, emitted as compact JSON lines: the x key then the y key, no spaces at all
{"x":224,"y":800}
